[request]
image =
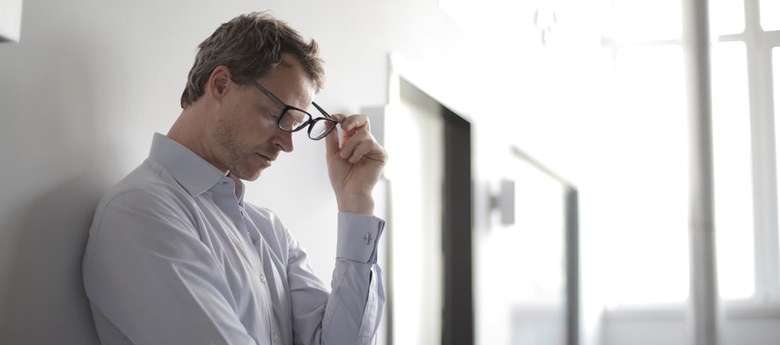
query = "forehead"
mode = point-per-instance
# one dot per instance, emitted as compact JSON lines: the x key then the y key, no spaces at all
{"x":290,"y":83}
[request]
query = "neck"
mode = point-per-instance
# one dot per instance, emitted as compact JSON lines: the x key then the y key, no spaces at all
{"x":190,"y":131}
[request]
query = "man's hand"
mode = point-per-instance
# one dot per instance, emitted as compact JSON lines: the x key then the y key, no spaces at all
{"x":355,"y":162}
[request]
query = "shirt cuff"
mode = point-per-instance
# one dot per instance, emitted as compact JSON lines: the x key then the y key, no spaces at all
{"x":358,"y":236}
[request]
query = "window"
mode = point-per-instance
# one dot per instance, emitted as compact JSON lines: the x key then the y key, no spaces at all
{"x":649,"y":81}
{"x":744,"y":148}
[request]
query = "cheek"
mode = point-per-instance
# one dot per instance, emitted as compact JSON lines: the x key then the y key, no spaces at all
{"x":251,"y":124}
{"x":262,"y":126}
{"x":226,"y":133}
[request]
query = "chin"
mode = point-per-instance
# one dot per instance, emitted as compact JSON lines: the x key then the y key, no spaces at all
{"x":251,"y":176}
{"x":244,"y":175}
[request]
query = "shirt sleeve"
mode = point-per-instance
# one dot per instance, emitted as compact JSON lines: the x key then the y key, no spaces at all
{"x":351,"y":312}
{"x":147,"y":273}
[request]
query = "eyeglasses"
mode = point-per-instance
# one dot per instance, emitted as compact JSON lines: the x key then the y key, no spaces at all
{"x":293,"y":119}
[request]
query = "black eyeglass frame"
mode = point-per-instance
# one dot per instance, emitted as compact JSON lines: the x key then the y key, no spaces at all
{"x":285,"y":107}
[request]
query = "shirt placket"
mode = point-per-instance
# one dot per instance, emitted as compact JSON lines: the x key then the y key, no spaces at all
{"x":271,"y":278}
{"x":229,"y":204}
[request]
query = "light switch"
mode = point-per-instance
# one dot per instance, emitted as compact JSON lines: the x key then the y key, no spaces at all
{"x":504,"y":201}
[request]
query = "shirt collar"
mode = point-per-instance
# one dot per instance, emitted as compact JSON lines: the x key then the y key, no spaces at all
{"x":192,"y":172}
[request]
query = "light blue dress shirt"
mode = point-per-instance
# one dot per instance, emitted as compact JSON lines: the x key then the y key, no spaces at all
{"x":175,"y":256}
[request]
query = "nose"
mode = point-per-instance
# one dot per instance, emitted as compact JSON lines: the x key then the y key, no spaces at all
{"x":284,"y":141}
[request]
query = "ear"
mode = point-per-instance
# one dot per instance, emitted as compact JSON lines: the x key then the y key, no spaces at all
{"x":219,"y":80}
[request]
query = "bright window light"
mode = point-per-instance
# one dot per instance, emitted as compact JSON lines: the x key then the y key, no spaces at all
{"x":641,"y":20}
{"x":732,"y":171}
{"x":649,"y":179}
{"x":728,"y":16}
{"x":770,"y":21}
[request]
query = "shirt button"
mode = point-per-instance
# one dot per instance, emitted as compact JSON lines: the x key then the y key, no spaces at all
{"x":274,"y":337}
{"x":262,"y":278}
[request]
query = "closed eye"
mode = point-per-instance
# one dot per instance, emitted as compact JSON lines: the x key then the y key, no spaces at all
{"x":272,"y":114}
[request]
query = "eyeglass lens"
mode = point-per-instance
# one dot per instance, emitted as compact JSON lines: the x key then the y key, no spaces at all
{"x":294,"y":120}
{"x":320,"y":128}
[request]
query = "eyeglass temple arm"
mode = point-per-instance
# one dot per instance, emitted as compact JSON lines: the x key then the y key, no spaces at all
{"x":267,"y":93}
{"x":320,"y":109}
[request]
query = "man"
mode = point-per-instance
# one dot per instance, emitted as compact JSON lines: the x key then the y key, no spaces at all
{"x":175,"y":256}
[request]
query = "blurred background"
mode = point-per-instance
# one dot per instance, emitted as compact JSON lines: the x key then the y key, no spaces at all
{"x":540,"y":182}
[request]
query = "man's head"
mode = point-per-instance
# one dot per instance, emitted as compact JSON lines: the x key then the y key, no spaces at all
{"x":251,"y":45}
{"x":227,"y":120}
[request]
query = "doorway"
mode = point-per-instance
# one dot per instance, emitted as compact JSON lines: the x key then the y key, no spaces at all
{"x":429,"y":266}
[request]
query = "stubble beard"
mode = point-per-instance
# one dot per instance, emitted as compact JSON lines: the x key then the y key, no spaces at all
{"x":235,"y":157}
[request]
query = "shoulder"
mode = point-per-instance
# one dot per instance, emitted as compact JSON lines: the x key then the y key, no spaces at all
{"x":145,"y":193}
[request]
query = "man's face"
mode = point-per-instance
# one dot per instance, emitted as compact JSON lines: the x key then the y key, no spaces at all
{"x":245,"y":137}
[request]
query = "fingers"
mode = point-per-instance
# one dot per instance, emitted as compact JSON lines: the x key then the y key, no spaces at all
{"x":360,"y":144}
{"x":356,"y":139}
{"x":355,"y":123}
